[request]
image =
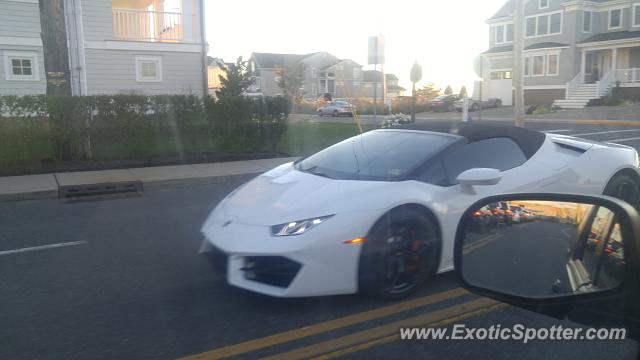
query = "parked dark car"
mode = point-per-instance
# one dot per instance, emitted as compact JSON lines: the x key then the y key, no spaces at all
{"x":444,"y":103}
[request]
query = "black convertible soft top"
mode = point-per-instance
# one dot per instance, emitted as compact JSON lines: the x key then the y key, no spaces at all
{"x":528,"y":140}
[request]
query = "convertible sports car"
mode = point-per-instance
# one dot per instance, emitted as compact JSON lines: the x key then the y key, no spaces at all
{"x":378,"y":212}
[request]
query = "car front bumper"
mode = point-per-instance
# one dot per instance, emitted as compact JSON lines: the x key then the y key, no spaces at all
{"x":316,"y":263}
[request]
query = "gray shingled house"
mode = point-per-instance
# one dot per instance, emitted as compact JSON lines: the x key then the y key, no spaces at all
{"x":575,"y":51}
{"x":115,"y":47}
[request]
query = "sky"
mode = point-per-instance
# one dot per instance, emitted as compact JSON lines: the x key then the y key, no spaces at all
{"x":443,"y":36}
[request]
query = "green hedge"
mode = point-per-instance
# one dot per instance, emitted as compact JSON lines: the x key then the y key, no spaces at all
{"x":35,"y":128}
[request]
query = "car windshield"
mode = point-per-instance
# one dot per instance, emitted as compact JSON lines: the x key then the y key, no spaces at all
{"x":377,"y":155}
{"x":440,"y":98}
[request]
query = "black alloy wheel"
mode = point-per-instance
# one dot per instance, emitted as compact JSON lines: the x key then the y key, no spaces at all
{"x":400,"y":253}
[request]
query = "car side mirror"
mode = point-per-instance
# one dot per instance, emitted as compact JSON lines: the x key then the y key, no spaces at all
{"x":479,"y":176}
{"x":566,"y":256}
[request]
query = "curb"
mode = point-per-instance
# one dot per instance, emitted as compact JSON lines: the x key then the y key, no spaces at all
{"x":147,"y":185}
{"x":29,"y":195}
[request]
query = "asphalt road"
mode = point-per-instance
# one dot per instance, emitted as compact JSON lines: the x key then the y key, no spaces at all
{"x":121,"y":279}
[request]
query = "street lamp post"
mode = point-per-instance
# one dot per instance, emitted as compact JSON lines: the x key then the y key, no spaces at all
{"x":416,"y":75}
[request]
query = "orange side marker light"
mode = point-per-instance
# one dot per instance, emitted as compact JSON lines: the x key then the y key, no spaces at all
{"x":358,"y":240}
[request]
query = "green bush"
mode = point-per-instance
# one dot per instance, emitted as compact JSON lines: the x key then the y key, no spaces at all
{"x":612,"y":100}
{"x":540,"y":110}
{"x":136,"y":127}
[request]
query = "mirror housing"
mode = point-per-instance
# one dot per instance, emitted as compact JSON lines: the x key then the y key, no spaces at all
{"x":615,"y":305}
{"x":479,"y":176}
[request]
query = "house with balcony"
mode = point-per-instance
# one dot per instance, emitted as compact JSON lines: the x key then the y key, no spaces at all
{"x":216,"y":69}
{"x":115,"y":47}
{"x":324,"y":75}
{"x":575,"y":52}
{"x":393,"y":89}
{"x":373,"y":85}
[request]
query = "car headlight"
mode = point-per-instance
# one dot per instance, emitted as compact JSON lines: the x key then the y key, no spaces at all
{"x":297,"y":227}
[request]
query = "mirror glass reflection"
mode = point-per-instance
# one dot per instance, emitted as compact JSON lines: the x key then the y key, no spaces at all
{"x":542,"y":249}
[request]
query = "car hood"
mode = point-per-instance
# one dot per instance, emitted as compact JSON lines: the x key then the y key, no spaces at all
{"x":285,"y":194}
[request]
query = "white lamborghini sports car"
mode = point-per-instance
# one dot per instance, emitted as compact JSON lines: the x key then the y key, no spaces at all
{"x":378,"y":212}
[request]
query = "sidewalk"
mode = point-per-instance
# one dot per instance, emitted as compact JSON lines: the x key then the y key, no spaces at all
{"x":45,"y":186}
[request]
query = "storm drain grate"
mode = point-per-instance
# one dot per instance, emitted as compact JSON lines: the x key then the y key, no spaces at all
{"x":100,"y":191}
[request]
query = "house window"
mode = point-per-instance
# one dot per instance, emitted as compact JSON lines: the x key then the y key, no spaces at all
{"x":586,"y":21}
{"x":552,"y":64}
{"x":503,"y":33}
{"x":21,"y":66}
{"x":527,"y":66}
{"x":542,"y":25}
{"x":314,"y":73}
{"x":555,"y":23}
{"x":500,"y":75}
{"x":636,"y":15}
{"x":509,"y":30}
{"x":615,"y":19}
{"x":499,"y":34}
{"x":538,"y":65}
{"x":543,"y":4}
{"x":531,"y":26}
{"x":148,"y":69}
{"x":356,"y":73}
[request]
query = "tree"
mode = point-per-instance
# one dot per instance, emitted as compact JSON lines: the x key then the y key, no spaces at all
{"x":448,"y":90}
{"x":235,"y":81}
{"x":291,"y":78}
{"x":463,"y":91}
{"x":428,"y":92}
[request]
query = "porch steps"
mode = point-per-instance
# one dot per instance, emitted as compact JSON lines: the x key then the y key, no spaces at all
{"x":579,"y":98}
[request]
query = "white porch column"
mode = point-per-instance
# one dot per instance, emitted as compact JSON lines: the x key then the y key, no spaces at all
{"x":187,"y":21}
{"x":583,"y":65}
{"x":614,"y":59}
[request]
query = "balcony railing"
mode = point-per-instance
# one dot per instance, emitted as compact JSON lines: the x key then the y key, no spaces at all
{"x":143,"y":25}
{"x":628,"y":75}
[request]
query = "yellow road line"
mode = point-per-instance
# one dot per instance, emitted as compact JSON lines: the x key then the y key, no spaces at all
{"x":469,"y":308}
{"x":391,"y":338}
{"x":478,"y":244}
{"x":291,"y":335}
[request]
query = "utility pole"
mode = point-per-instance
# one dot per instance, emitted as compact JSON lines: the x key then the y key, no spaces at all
{"x":376,"y":57}
{"x":54,"y":43}
{"x":518,"y":62}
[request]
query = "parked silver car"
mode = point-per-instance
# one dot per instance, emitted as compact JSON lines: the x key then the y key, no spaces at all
{"x":336,"y":108}
{"x":475,"y":105}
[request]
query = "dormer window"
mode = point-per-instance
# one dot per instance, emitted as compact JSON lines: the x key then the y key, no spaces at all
{"x":543,"y":4}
